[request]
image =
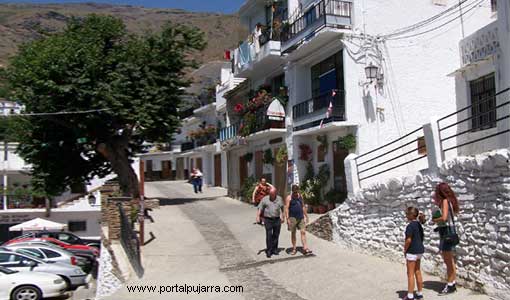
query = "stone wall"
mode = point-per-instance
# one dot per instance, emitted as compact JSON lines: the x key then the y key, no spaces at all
{"x":373,"y":219}
{"x":109,"y":278}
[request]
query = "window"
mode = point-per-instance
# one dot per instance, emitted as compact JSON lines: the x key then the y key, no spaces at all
{"x":422,"y":146}
{"x":494,"y":6}
{"x":327,"y":75}
{"x":32,"y":252}
{"x":73,"y":226}
{"x":50,"y":253}
{"x":483,"y":100}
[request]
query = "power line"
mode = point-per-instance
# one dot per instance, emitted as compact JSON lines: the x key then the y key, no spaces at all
{"x":446,"y":13}
{"x":439,"y":26}
{"x":82,"y":112}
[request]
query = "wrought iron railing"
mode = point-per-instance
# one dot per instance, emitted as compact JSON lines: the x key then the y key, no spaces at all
{"x":246,"y":127}
{"x":320,"y":104}
{"x":187,"y":146}
{"x":316,"y":17}
{"x":229,"y":132}
{"x":130,"y":242}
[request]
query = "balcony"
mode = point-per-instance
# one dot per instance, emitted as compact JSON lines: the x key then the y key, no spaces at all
{"x":480,"y":45}
{"x":325,"y":16}
{"x":227,"y":133}
{"x":249,"y":63}
{"x":312,"y":112}
{"x":187,"y":146}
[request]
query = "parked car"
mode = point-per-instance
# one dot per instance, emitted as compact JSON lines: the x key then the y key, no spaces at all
{"x":16,"y":285}
{"x":52,"y":253}
{"x":73,"y":248}
{"x":67,"y":237}
{"x":89,"y":257}
{"x":72,"y":275}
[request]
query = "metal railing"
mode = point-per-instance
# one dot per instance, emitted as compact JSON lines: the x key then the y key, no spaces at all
{"x":383,"y":156}
{"x":227,"y":133}
{"x":316,"y":16}
{"x":320,"y":104}
{"x":262,"y":122}
{"x":130,"y":242}
{"x":187,"y":146}
{"x":480,"y":119}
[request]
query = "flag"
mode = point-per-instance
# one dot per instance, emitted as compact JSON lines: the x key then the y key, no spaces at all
{"x":329,"y":112}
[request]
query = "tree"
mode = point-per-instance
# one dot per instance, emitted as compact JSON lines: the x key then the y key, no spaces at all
{"x":134,"y":82}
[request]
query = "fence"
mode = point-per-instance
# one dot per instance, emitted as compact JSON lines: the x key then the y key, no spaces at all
{"x":480,"y":124}
{"x":395,"y":154}
{"x":130,"y":242}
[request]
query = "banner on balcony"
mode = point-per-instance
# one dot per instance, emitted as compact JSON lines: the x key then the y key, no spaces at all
{"x":276,"y":111}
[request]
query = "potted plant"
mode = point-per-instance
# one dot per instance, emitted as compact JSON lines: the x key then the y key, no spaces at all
{"x":247,"y":189}
{"x":248,"y":157}
{"x":281,"y":155}
{"x":347,"y":142}
{"x":323,"y":142}
{"x":268,"y":157}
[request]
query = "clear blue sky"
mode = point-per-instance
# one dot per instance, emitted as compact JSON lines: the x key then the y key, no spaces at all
{"x":224,"y":6}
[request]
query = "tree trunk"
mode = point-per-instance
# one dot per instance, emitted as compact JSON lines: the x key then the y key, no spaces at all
{"x":117,"y":154}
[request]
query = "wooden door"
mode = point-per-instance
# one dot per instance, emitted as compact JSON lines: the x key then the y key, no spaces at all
{"x":166,"y":169}
{"x":148,"y":169}
{"x":217,"y":170}
{"x":339,"y":180}
{"x":259,"y":164}
{"x":280,"y":177}
{"x":243,"y":170}
{"x":179,"y":167}
{"x":199,"y":164}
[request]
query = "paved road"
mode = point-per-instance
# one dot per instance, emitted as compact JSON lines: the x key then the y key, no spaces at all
{"x":209,"y":239}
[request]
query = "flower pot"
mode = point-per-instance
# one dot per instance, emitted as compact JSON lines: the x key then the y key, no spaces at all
{"x":323,"y":209}
{"x":331,"y":206}
{"x":315,"y":209}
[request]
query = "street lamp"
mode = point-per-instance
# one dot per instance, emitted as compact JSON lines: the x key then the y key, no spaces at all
{"x":371,"y":72}
{"x":92,"y":200}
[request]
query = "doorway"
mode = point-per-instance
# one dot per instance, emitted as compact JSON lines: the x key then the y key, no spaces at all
{"x":217,"y":170}
{"x":199,"y":164}
{"x":339,"y":180}
{"x":243,"y":171}
{"x":179,"y":166}
{"x":166,"y":169}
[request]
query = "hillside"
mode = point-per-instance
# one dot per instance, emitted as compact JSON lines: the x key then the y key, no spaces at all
{"x":23,"y":22}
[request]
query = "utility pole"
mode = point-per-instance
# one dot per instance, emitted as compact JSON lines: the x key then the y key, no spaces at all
{"x":461,"y":18}
{"x":141,"y":213}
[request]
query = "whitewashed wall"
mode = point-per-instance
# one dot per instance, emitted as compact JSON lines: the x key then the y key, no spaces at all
{"x":373,"y":219}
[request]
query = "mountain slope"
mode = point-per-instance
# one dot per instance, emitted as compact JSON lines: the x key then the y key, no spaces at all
{"x":23,"y":22}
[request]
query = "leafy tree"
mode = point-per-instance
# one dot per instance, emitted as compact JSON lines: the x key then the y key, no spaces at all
{"x":95,"y":64}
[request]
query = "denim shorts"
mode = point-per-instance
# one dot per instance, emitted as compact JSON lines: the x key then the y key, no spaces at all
{"x":445,"y":246}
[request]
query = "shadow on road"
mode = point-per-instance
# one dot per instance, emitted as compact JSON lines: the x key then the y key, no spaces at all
{"x":269,"y":261}
{"x":181,"y":201}
{"x":435,"y":286}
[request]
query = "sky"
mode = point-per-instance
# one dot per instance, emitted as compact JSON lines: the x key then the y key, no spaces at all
{"x":224,"y":6}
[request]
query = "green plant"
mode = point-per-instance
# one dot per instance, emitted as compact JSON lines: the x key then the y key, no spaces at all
{"x":310,"y":191}
{"x":248,"y":157}
{"x":268,"y":157}
{"x":248,"y":187}
{"x":323,"y":140}
{"x":323,"y":177}
{"x":347,"y":142}
{"x":248,"y":125}
{"x":309,"y":173}
{"x":281,"y":155}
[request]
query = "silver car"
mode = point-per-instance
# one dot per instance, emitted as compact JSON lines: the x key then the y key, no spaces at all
{"x":50,"y":253}
{"x":72,"y":275}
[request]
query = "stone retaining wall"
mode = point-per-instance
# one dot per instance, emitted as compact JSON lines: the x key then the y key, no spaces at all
{"x":373,"y":220}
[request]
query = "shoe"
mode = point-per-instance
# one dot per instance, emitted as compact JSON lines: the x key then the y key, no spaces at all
{"x":406,"y":298}
{"x":448,"y":289}
{"x":268,"y":254}
{"x":418,"y":297}
{"x":276,"y":252}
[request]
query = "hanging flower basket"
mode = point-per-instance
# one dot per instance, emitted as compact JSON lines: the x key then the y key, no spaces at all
{"x":305,"y":152}
{"x":282,"y":155}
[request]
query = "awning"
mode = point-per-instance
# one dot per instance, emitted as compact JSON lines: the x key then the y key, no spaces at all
{"x":38,"y":224}
{"x":276,"y":111}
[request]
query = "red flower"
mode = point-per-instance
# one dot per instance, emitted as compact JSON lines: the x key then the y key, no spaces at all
{"x":239,"y":108}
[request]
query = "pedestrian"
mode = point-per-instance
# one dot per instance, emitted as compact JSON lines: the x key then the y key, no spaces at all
{"x":297,"y":218}
{"x":413,"y":252}
{"x":260,"y":191}
{"x":445,"y":199}
{"x":196,"y":180}
{"x":272,"y":205}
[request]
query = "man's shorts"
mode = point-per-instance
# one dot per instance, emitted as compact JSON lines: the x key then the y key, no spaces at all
{"x":296,"y":224}
{"x":413,"y":257}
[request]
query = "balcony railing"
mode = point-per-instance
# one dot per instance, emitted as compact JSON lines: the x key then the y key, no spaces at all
{"x":319,"y":106}
{"x":326,"y":13}
{"x":227,"y":133}
{"x":187,"y":146}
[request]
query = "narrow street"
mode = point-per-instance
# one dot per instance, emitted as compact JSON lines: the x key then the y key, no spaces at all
{"x":210,"y":239}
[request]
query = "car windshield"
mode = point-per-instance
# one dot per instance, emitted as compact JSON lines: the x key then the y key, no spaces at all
{"x":7,"y":271}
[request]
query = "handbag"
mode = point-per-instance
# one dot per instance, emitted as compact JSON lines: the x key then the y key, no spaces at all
{"x":451,"y":236}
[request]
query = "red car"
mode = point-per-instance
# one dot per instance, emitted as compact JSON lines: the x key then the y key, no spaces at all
{"x":72,"y":248}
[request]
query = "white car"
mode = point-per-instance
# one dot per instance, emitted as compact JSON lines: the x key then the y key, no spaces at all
{"x":16,"y":285}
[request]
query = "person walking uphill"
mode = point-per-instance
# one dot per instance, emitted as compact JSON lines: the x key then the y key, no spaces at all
{"x":297,"y":218}
{"x":196,"y":180}
{"x":272,"y":205}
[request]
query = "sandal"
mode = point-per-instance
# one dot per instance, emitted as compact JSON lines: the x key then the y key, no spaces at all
{"x":293,"y":252}
{"x":307,"y":252}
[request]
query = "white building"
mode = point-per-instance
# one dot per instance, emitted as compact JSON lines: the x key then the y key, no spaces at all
{"x":484,"y":72}
{"x":328,"y":46}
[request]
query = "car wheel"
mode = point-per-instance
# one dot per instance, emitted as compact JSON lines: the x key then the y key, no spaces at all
{"x":67,"y":281}
{"x":26,"y":292}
